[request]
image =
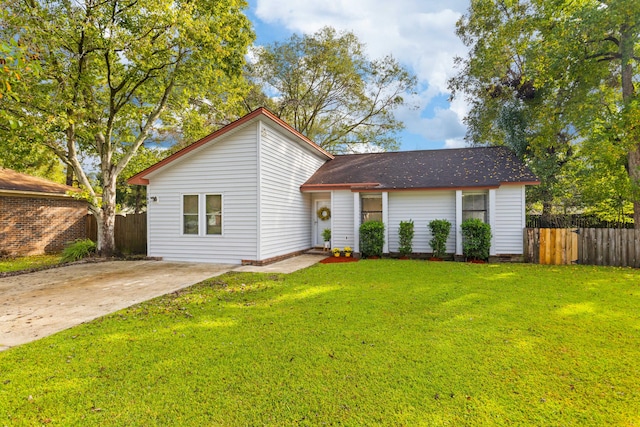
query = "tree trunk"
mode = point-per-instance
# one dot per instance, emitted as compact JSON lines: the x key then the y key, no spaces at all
{"x":627,"y":45}
{"x":69,"y":175}
{"x":107,"y":244}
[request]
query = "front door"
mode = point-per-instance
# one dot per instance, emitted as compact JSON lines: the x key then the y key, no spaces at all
{"x":320,"y":224}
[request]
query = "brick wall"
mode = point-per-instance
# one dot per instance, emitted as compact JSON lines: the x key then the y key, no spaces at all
{"x":33,"y":225}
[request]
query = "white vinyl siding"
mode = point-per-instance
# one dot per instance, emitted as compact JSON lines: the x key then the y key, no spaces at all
{"x":342,"y":219}
{"x":509,"y":223}
{"x":226,"y":167}
{"x":285,"y":211}
{"x":421,"y":207}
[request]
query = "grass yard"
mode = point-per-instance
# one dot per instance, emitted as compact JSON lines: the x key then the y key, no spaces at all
{"x":382,"y":342}
{"x":28,"y":262}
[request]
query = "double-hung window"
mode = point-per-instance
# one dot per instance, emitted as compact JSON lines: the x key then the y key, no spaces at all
{"x":371,"y":205}
{"x":214,"y":213}
{"x":202,"y":214}
{"x":190,"y":216}
{"x":474,"y":205}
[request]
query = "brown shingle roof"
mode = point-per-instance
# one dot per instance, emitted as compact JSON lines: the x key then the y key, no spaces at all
{"x":428,"y":169}
{"x":13,"y":181}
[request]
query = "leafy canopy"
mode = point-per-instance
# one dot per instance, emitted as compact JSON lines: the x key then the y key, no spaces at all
{"x":326,"y":87}
{"x":113,"y":72}
{"x":556,"y":81}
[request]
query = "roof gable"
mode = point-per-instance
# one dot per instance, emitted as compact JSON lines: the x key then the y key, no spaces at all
{"x":479,"y":167}
{"x":141,"y":178}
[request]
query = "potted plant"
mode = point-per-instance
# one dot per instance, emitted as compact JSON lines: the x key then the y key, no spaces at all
{"x":476,"y":239}
{"x":405,"y":234}
{"x":348,"y":251}
{"x":326,"y":235}
{"x":336,"y":252}
{"x":372,"y":239}
{"x":440,"y":229}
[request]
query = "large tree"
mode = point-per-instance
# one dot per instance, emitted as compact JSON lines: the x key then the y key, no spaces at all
{"x":556,"y":71}
{"x":17,"y":64}
{"x":115,"y":70}
{"x":326,"y":87}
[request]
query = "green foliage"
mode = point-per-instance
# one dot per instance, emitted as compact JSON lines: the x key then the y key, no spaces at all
{"x":461,"y":345}
{"x":326,"y":234}
{"x":113,"y":73}
{"x":133,"y":197}
{"x":327,"y":88}
{"x":405,"y":235}
{"x":371,"y":238}
{"x":476,"y":239}
{"x":78,"y":250}
{"x":440,"y":229}
{"x":19,"y":64}
{"x":554,"y":81}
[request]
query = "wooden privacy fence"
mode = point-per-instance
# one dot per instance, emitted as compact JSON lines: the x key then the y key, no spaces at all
{"x":592,"y":246}
{"x":130,"y":232}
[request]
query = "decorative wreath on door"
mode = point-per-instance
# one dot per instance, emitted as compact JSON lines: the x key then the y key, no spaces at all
{"x":324,"y":213}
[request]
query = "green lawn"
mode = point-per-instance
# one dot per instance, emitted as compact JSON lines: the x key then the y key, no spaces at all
{"x":379,"y":342}
{"x":27,"y":262}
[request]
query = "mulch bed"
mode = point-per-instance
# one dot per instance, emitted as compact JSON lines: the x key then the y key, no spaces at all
{"x":333,"y":260}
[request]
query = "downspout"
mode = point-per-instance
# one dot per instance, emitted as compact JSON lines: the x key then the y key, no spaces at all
{"x":356,"y":222}
{"x":385,"y":221}
{"x":492,"y":220}
{"x":458,"y":228}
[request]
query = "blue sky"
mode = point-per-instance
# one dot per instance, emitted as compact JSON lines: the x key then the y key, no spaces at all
{"x":418,"y":33}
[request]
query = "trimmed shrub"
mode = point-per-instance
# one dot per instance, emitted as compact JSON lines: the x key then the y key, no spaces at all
{"x":405,"y":234}
{"x":371,"y":238}
{"x":77,"y":250}
{"x":440,"y":229}
{"x":476,"y":239}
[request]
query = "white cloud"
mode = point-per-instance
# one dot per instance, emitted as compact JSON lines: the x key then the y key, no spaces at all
{"x":445,"y":124}
{"x":455,"y":143}
{"x":419,"y":33}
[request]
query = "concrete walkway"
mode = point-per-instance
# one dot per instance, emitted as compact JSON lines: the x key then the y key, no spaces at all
{"x":287,"y":266}
{"x":39,"y":304}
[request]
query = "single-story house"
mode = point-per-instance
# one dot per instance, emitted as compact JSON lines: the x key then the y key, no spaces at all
{"x":37,"y":215}
{"x":257,"y":191}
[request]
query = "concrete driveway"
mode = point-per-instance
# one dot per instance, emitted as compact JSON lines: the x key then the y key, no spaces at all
{"x":39,"y":304}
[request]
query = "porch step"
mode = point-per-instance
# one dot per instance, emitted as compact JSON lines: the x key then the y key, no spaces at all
{"x":318,"y":251}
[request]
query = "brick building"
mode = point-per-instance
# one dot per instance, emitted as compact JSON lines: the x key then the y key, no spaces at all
{"x":37,"y":215}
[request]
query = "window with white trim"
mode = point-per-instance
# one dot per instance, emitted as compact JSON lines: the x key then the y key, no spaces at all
{"x":371,"y":207}
{"x":190,"y":215}
{"x":474,"y":205}
{"x":202,"y":214}
{"x":214,"y":213}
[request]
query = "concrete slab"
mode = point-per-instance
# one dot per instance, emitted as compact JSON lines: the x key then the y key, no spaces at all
{"x":286,"y":266}
{"x":35,"y":305}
